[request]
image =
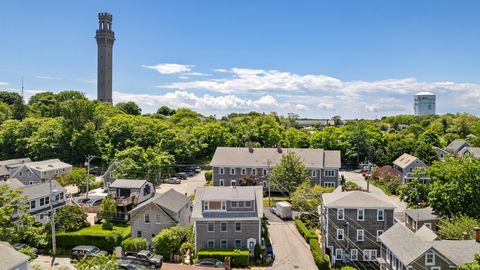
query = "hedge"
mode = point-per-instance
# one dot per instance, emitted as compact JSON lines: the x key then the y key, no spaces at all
{"x":94,"y":235}
{"x":304,"y":231}
{"x":323,"y":263}
{"x":134,"y":244}
{"x":239,"y":257}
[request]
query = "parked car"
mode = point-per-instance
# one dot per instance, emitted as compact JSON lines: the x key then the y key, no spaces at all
{"x":82,"y":201}
{"x":210,"y":263}
{"x":80,"y":252}
{"x":94,"y":202}
{"x":198,"y":169}
{"x":145,"y":256}
{"x":173,"y":180}
{"x":283,"y":210}
{"x":19,"y":246}
{"x":181,"y":175}
{"x":190,"y":171}
{"x":133,"y":264}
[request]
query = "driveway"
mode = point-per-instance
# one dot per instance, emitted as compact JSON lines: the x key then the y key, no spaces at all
{"x":290,"y":249}
{"x":187,"y":186}
{"x":360,"y":180}
{"x":60,"y":262}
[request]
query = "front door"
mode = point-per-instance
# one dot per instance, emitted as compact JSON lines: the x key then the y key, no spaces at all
{"x":251,"y":245}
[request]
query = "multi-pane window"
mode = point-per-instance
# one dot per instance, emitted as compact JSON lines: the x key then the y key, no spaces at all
{"x":232,"y":171}
{"x":329,"y":173}
{"x":147,"y":218}
{"x":210,"y":227}
{"x":139,"y":234}
{"x":314,"y":173}
{"x":241,"y":204}
{"x":234,"y":204}
{"x":340,"y":234}
{"x":238,"y":226}
{"x":238,"y":243}
{"x":369,"y":255}
{"x":32,"y":204}
{"x":340,"y":214}
{"x":360,"y":214}
{"x":205,"y":206}
{"x":47,"y":200}
{"x":338,"y":254}
{"x":254,"y":171}
{"x":233,"y":183}
{"x":430,"y":258}
{"x":380,"y":214}
{"x":248,"y":204}
{"x":221,"y":171}
{"x":354,"y":254}
{"x":210,"y":243}
{"x":157,"y":218}
{"x":223,"y":243}
{"x":360,"y":235}
{"x":264,"y":172}
{"x":222,"y":182}
{"x":223,"y":227}
{"x":379,"y":232}
{"x":42,"y":201}
{"x":244,"y":171}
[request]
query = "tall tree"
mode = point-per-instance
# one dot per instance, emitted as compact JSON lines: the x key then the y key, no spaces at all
{"x":108,"y":208}
{"x":289,"y":173}
{"x":129,"y":108}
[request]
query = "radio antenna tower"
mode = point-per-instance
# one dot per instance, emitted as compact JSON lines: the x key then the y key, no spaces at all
{"x":22,"y":87}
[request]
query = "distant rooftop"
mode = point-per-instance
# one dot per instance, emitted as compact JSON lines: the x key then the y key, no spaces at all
{"x":354,"y":199}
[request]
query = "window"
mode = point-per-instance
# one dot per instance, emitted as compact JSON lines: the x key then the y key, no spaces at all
{"x":233,"y":183}
{"x":244,"y":171}
{"x":20,"y":174}
{"x":430,"y":258}
{"x":248,"y":204}
{"x":265,"y":184}
{"x":380,"y":214}
{"x":223,"y":243}
{"x":147,"y":219}
{"x":47,"y":200}
{"x":338,"y":254}
{"x":354,"y":255}
{"x":234,"y":204}
{"x":340,"y":234}
{"x":57,"y":197}
{"x":254,"y":171}
{"x":329,"y":173}
{"x":232,"y":171}
{"x":241,"y":204}
{"x":205,"y":206}
{"x":387,"y":257}
{"x":369,"y":255}
{"x":146,"y":190}
{"x":360,"y":235}
{"x":329,"y":184}
{"x":61,"y":196}
{"x":32,"y":204}
{"x":314,"y":173}
{"x":379,"y":232}
{"x":340,"y":214}
{"x":221,"y":171}
{"x":238,"y":243}
{"x":210,"y":227}
{"x":238,"y":226}
{"x":222,"y":182}
{"x":139,"y":234}
{"x":42,"y":201}
{"x":29,"y":174}
{"x":224,"y":205}
{"x":211,"y":243}
{"x":360,"y":214}
{"x":157,"y":219}
{"x":435,"y":268}
{"x":223,"y":227}
{"x":264,"y":172}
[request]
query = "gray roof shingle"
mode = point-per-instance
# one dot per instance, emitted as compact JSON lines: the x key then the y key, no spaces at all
{"x":128,"y":183}
{"x":354,"y":199}
{"x":421,"y":214}
{"x":260,"y":157}
{"x":10,"y":257}
{"x":41,"y":189}
{"x":171,"y":200}
{"x":456,"y":145}
{"x":404,"y":160}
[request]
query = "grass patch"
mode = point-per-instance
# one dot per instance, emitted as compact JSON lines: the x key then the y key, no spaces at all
{"x":274,"y":199}
{"x":96,"y":230}
{"x":381,"y":185}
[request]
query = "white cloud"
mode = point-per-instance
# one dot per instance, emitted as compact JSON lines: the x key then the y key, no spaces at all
{"x":47,"y":77}
{"x":197,"y":74}
{"x":170,"y":68}
{"x":325,"y":106}
{"x":208,"y":102}
{"x":4,"y":83}
{"x":183,"y":77}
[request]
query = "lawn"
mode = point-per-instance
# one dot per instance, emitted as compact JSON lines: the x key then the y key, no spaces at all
{"x":274,"y":199}
{"x":96,"y":230}
{"x":381,"y":186}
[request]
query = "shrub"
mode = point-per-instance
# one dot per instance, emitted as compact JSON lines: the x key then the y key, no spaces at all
{"x":322,"y":262}
{"x":349,"y":185}
{"x":69,"y":218}
{"x":208,"y":175}
{"x":304,"y":231}
{"x":108,"y":226}
{"x":257,"y":252}
{"x":29,"y":252}
{"x":239,"y":257}
{"x":168,"y":241}
{"x":348,"y":268}
{"x":134,"y":244}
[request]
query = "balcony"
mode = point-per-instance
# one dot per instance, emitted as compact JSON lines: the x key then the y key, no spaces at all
{"x":132,"y":199}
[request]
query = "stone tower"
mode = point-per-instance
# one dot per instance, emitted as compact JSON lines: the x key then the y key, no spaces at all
{"x":105,"y":38}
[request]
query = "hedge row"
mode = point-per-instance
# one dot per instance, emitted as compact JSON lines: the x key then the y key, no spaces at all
{"x":104,"y":240}
{"x":134,"y":244}
{"x":239,"y":257}
{"x":323,"y":263}
{"x":304,"y":231}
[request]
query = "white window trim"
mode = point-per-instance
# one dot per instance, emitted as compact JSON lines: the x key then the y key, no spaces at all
{"x":340,"y":232}
{"x":233,"y":183}
{"x":314,"y":173}
{"x":338,"y":253}
{"x":243,"y":171}
{"x":338,"y":213}
{"x":333,"y":173}
{"x":435,"y":268}
{"x":158,"y":219}
{"x":248,"y":204}
{"x":387,"y":256}
{"x":235,"y":243}
{"x":254,"y":171}
{"x":264,"y":172}
{"x":232,"y":171}
{"x":362,"y":234}
{"x":221,"y":170}
{"x":226,"y":243}
{"x":378,"y":214}
{"x":426,"y":258}
{"x":210,"y":241}
{"x":370,"y":252}
{"x":208,"y":227}
{"x":145,"y":218}
{"x":352,"y":252}
{"x":226,"y":227}
{"x":363,"y":214}
{"x":221,"y":182}
{"x":379,"y":232}
{"x":329,"y":184}
{"x":236,"y":227}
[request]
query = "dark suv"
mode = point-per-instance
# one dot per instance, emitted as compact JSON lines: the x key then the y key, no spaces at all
{"x":80,"y":252}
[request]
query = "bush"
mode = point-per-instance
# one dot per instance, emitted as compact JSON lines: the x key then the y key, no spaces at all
{"x":257,"y":251}
{"x":29,"y":252}
{"x":168,"y":241}
{"x":134,"y":244}
{"x":108,"y":226}
{"x":208,"y":175}
{"x":349,"y":185}
{"x":70,"y":218}
{"x":322,"y":262}
{"x":239,"y":257}
{"x":348,"y":268}
{"x":304,"y":231}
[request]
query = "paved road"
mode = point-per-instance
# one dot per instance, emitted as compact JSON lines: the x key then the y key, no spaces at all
{"x":360,"y":180}
{"x":187,"y":186}
{"x":60,"y":262}
{"x":290,"y":249}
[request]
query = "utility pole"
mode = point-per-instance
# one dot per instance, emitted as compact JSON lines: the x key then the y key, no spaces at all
{"x":87,"y":163}
{"x":268,"y":182}
{"x":52,"y":215}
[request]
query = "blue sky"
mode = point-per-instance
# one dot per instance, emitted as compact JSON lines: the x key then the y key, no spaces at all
{"x":313,"y":58}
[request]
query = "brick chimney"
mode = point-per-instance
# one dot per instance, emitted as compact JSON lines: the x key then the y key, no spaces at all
{"x":476,"y":234}
{"x":464,"y":236}
{"x":279,"y":148}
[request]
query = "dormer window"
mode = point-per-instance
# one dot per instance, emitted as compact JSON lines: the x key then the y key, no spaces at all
{"x":215,"y":206}
{"x":248,"y":204}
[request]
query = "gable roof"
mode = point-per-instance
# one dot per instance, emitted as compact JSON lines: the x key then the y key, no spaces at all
{"x":263,"y":157}
{"x":404,"y":160}
{"x":47,"y":165}
{"x":421,"y":214}
{"x":354,"y":199}
{"x":10,"y":257}
{"x":426,"y":234}
{"x":14,"y":183}
{"x":457,"y":251}
{"x":128,"y":183}
{"x":473,"y":150}
{"x":456,"y":145}
{"x":41,"y":189}
{"x":171,"y":200}
{"x":5,"y":163}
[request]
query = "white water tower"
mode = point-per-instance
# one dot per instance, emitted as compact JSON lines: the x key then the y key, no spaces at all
{"x":424,"y":103}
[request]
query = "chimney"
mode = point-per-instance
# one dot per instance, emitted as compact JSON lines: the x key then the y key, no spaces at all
{"x":476,"y":234}
{"x":250,"y":148}
{"x":464,"y":236}
{"x":279,"y":148}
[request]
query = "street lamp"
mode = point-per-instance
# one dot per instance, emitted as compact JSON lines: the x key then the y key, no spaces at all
{"x":87,"y":163}
{"x":52,"y":216}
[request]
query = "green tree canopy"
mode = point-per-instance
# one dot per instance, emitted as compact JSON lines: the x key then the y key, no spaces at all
{"x":70,"y":218}
{"x":78,"y":177}
{"x":108,"y":208}
{"x":307,"y":198}
{"x":129,"y":108}
{"x":289,"y":173}
{"x":452,"y":228}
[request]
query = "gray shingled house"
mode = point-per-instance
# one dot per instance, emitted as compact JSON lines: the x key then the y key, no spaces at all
{"x":128,"y":193}
{"x":406,"y":164}
{"x":352,"y":222}
{"x":160,"y":212}
{"x":10,"y":259}
{"x":30,"y":173}
{"x":4,"y":164}
{"x":250,"y":166}
{"x":416,"y":218}
{"x":227,"y":217}
{"x":403,"y":249}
